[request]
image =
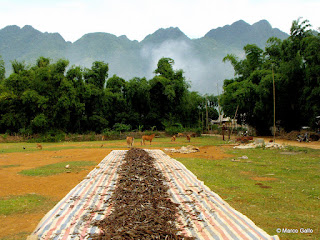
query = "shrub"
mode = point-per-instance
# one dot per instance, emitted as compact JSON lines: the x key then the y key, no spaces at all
{"x":120,"y":127}
{"x":174,"y":128}
{"x":39,"y":123}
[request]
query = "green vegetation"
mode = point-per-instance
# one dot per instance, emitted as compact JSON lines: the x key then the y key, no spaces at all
{"x":294,"y":65}
{"x":22,"y":204}
{"x":57,"y":168}
{"x":49,"y":100}
{"x":274,"y":189}
{"x":9,"y":166}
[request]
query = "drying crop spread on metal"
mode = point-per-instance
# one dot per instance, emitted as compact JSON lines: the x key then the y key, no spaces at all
{"x":141,"y":205}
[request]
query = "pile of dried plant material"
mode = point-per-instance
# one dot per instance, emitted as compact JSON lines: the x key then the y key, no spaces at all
{"x":183,"y":149}
{"x":141,"y":205}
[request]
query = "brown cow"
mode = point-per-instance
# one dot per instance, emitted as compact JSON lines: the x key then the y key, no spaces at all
{"x":39,"y":146}
{"x":103,"y":137}
{"x":173,"y":139}
{"x":148,"y":138}
{"x":180,"y":134}
{"x":130,"y":141}
{"x":188,"y":137}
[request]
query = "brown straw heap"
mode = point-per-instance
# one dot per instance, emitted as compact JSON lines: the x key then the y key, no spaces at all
{"x":141,"y":205}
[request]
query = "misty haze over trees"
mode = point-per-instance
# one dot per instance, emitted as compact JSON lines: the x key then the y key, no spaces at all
{"x":54,"y":96}
{"x":201,"y":59}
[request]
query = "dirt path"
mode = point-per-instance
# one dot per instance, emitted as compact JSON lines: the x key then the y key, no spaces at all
{"x":314,"y":145}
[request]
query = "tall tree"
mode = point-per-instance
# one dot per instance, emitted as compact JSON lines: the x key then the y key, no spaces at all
{"x":168,"y":88}
{"x":294,"y":65}
{"x":97,"y":75}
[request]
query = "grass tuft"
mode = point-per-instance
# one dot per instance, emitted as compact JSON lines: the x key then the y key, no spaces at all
{"x":10,"y":166}
{"x":57,"y":168}
{"x":21,"y":204}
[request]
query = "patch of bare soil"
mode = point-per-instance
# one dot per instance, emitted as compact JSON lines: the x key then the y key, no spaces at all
{"x":142,"y":208}
{"x":264,"y":179}
{"x":314,"y":145}
{"x":290,"y":142}
{"x":206,"y":152}
{"x":53,"y":187}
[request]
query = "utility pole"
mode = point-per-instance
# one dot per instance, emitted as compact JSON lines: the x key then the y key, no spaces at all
{"x":274,"y":108}
{"x":219,"y":110}
{"x":207,"y":124}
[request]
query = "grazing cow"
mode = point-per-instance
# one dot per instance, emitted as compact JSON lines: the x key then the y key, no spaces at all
{"x":180,"y":134}
{"x":130,"y":141}
{"x":188,"y":137}
{"x":173,"y":139}
{"x":39,"y":146}
{"x":193,"y":134}
{"x":103,"y":137}
{"x":148,"y":138}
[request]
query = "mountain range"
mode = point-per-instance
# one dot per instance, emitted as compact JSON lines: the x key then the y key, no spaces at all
{"x":201,"y":58}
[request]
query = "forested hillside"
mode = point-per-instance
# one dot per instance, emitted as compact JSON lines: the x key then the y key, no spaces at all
{"x":201,"y":59}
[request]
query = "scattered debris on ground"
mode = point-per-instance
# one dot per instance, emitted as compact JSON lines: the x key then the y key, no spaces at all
{"x":183,"y":149}
{"x":271,"y":145}
{"x":142,"y":208}
{"x":241,"y":158}
{"x":293,"y":135}
{"x":244,"y":139}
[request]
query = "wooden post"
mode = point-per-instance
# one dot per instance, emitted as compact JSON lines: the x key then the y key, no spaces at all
{"x":223,"y":131}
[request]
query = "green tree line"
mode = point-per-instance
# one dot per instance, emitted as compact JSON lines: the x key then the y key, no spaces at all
{"x":294,"y":64}
{"x":52,"y":97}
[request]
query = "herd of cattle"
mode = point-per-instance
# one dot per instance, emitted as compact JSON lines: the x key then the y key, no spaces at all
{"x":130,"y":140}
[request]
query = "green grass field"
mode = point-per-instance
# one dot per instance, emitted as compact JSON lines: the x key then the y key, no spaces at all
{"x":274,"y":188}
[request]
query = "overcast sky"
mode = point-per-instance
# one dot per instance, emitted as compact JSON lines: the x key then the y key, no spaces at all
{"x":138,"y":18}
